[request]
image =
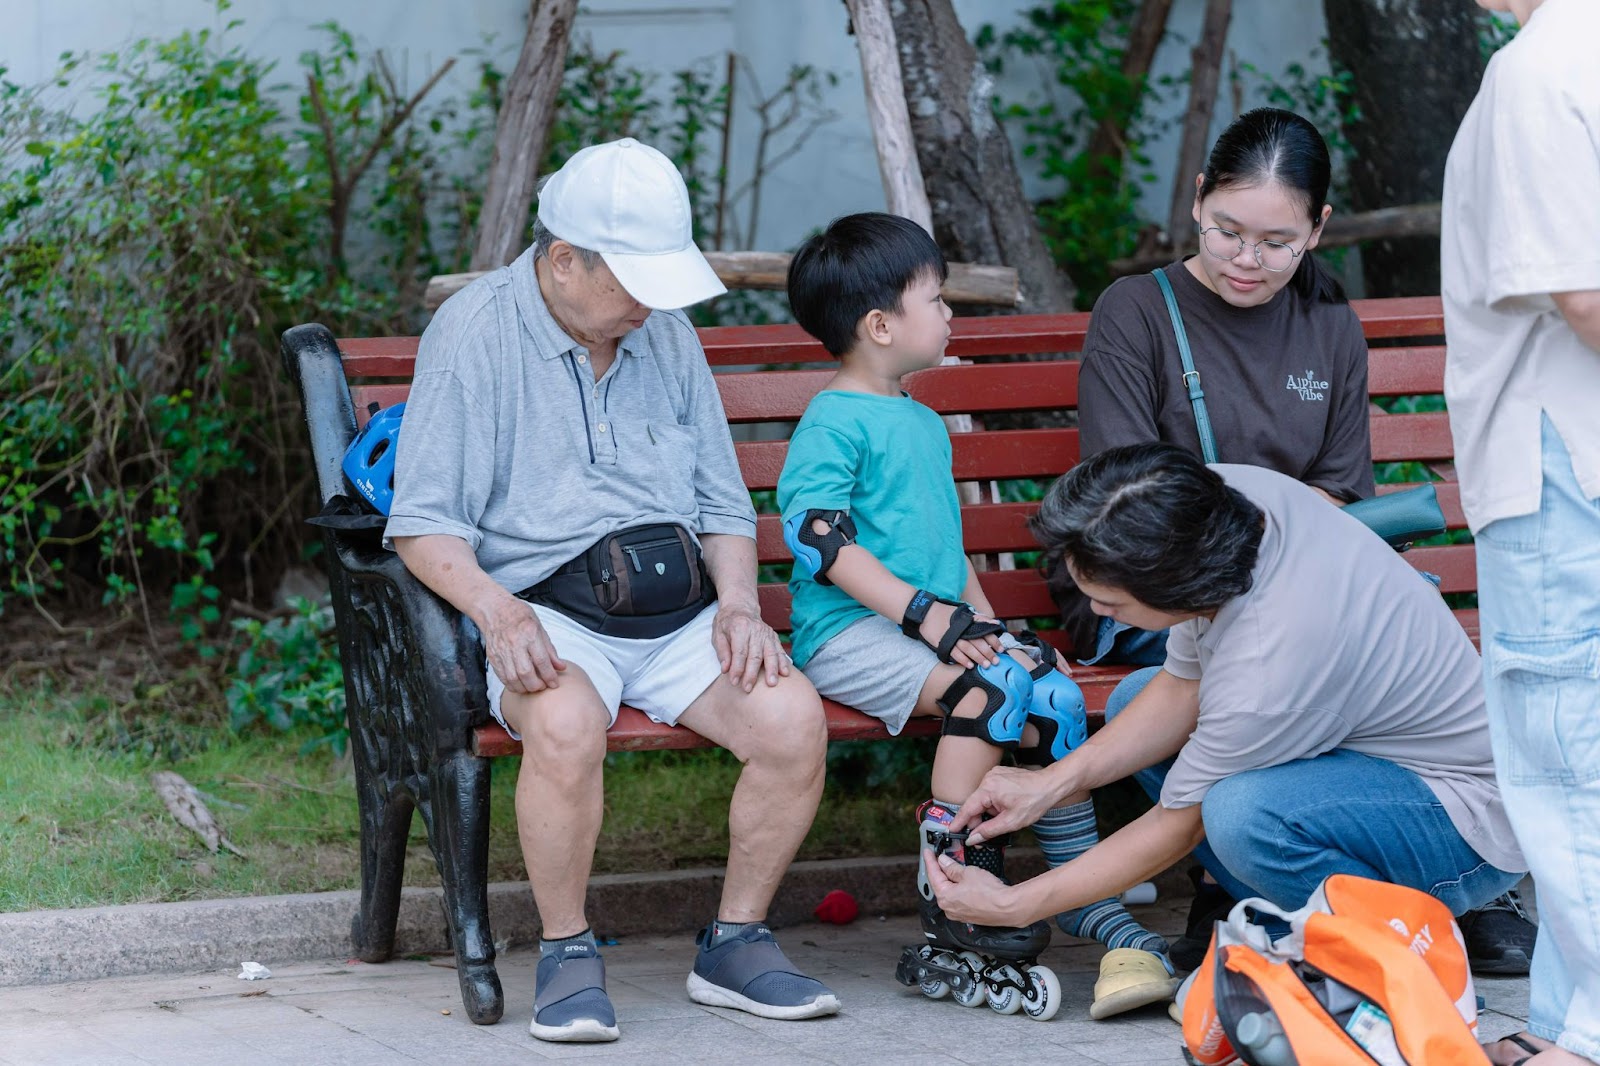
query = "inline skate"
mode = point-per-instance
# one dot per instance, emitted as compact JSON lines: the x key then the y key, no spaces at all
{"x":976,"y":964}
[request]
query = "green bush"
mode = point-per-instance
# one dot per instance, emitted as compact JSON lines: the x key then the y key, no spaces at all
{"x":154,"y":246}
{"x":288,"y":677}
{"x":150,"y":251}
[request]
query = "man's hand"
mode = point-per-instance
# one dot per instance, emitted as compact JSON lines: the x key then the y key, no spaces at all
{"x":1016,"y":797}
{"x":519,"y":649}
{"x":968,"y":894}
{"x":985,"y":651}
{"x":747,"y":647}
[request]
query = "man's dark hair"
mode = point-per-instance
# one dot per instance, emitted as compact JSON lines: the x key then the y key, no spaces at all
{"x":859,"y":263}
{"x":1153,"y":521}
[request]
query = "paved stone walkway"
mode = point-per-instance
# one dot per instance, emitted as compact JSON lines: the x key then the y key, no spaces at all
{"x":346,"y":1013}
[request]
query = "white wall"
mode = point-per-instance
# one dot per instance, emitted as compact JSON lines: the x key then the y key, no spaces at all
{"x":836,"y":174}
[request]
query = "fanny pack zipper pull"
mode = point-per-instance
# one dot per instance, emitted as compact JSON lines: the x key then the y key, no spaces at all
{"x":633,"y":556}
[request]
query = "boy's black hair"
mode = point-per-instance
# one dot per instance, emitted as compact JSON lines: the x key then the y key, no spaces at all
{"x":859,"y":263}
{"x":1153,"y":521}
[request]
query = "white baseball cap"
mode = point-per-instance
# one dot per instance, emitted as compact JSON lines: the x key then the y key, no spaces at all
{"x":628,"y":202}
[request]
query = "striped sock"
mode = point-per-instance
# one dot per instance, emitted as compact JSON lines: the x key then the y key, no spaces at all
{"x":1063,"y":834}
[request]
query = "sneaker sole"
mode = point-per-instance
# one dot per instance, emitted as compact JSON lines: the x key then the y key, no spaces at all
{"x":579,"y":1031}
{"x":1514,"y":964}
{"x":1126,"y":999}
{"x":707,"y":994}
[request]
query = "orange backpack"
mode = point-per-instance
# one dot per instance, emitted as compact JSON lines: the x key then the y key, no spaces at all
{"x":1368,"y":973}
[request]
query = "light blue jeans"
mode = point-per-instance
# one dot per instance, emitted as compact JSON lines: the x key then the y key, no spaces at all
{"x":1539,"y":611}
{"x":1278,"y":832}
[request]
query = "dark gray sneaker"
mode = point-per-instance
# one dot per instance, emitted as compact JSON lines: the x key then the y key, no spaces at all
{"x":569,"y":1000}
{"x":749,"y":972}
{"x":1500,"y":936}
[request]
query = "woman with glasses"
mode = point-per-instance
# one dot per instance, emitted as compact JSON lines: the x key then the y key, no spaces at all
{"x":1282,"y":362}
{"x":1277,"y":350}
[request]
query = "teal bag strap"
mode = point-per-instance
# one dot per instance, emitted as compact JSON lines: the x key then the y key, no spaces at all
{"x":1191,"y":376}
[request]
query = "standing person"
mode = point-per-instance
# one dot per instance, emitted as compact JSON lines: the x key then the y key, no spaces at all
{"x":888,"y":613}
{"x":1320,"y":710}
{"x":563,"y":417}
{"x":1282,"y":361}
{"x":1521,"y":286}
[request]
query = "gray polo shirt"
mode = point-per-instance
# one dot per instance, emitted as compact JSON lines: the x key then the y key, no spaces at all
{"x":1338,"y":644}
{"x":511,"y":444}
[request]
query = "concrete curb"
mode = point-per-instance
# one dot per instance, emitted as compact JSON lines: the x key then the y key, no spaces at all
{"x":52,"y":947}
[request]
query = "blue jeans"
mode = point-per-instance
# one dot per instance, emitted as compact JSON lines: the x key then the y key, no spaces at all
{"x":1278,"y":832}
{"x":1539,"y":609}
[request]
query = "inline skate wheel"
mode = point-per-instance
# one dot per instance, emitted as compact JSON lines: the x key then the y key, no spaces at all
{"x":935,"y":988}
{"x":973,"y":995}
{"x":1006,"y":998}
{"x":1043,"y":997}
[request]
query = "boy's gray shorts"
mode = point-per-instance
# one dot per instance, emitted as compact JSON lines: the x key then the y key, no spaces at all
{"x":872,"y":666}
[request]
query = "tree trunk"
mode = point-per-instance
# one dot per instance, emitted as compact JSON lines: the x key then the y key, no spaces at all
{"x":1110,"y":141}
{"x":1205,"y":70}
{"x":519,"y":137}
{"x":886,"y":112}
{"x":980,"y":214}
{"x":1416,"y":65}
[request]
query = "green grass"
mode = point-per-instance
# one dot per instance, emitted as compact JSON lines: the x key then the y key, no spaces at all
{"x":82,"y":826}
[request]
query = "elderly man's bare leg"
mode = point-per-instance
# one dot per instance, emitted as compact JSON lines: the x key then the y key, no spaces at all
{"x":780,"y":735}
{"x":560,"y":799}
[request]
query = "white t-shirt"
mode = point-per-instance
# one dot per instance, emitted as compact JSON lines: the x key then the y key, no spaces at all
{"x":1522,"y":220}
{"x":1339,"y":643}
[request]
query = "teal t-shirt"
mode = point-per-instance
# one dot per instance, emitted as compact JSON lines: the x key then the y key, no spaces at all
{"x":886,"y":460}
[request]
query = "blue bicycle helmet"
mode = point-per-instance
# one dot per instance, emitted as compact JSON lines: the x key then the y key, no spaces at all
{"x":369,"y":461}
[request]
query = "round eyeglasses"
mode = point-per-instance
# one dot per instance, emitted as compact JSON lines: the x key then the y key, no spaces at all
{"x":1270,"y":255}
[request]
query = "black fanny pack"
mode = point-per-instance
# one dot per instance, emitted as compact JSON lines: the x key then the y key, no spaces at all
{"x":637,"y":583}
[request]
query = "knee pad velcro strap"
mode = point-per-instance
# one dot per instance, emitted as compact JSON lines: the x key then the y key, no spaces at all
{"x":1008,"y":693}
{"x":1043,"y":654}
{"x":962,"y":624}
{"x":1057,"y":712}
{"x":817,"y":551}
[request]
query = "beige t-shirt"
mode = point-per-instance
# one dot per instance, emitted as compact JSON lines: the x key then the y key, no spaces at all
{"x":1522,"y":220}
{"x":1338,"y":644}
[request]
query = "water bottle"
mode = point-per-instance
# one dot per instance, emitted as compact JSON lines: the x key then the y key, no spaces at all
{"x":1263,"y":1037}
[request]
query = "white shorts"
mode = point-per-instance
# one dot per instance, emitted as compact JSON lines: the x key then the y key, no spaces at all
{"x":661,"y":676}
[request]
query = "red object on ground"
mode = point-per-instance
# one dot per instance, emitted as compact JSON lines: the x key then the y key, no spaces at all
{"x":837,"y":908}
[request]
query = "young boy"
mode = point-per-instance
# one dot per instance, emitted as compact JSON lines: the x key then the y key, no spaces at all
{"x":888,"y":614}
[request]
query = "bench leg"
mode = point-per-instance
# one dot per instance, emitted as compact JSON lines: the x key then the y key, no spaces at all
{"x":385,"y":826}
{"x":459,"y":829}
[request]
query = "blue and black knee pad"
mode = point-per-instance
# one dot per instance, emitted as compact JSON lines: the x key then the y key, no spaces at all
{"x":1056,"y":707}
{"x":1008,"y":693}
{"x":815,"y":551}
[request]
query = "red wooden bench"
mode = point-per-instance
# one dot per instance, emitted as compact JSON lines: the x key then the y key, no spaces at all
{"x":766,"y":375}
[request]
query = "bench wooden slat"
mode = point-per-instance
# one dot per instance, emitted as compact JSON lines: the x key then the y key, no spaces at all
{"x":985,"y":528}
{"x":989,"y":528}
{"x":1405,"y":371}
{"x":1021,"y":594}
{"x":1422,"y":437}
{"x":636,"y":732}
{"x":1412,"y":316}
{"x":1008,"y":453}
{"x":782,"y":395}
{"x":970,"y":337}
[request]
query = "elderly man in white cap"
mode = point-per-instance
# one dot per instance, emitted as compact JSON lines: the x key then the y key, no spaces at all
{"x":566,"y":479}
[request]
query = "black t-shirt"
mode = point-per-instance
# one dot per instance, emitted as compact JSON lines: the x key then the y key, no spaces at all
{"x":1285,"y":383}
